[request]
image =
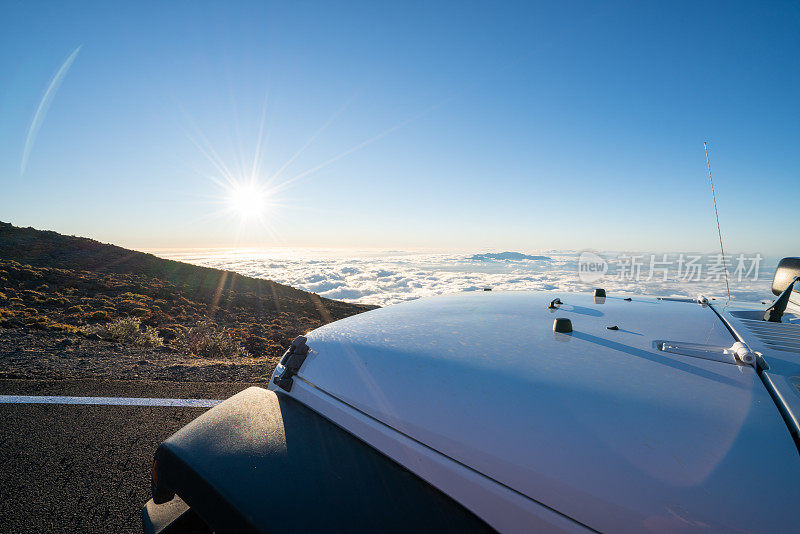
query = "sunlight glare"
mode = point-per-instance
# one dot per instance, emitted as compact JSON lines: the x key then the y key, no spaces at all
{"x":247,"y":200}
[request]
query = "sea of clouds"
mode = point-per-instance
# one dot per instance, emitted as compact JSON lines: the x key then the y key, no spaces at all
{"x":389,"y":277}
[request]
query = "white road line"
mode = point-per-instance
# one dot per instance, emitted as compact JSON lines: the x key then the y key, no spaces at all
{"x":107,"y":401}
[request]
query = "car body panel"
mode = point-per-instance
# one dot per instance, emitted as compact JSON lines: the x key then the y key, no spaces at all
{"x":599,"y":425}
{"x":501,"y":507}
{"x":263,"y":462}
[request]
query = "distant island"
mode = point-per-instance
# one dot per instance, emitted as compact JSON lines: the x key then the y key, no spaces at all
{"x":73,"y":307}
{"x":506,"y":256}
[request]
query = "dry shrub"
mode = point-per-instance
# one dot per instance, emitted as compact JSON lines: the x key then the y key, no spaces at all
{"x":157,"y":318}
{"x":37,"y":323}
{"x":98,"y":316}
{"x":262,"y":346}
{"x":36,"y":296}
{"x":27,"y":273}
{"x":134,"y":296}
{"x":129,"y":330}
{"x":256,"y":345}
{"x":208,"y":341}
{"x":128,"y":304}
{"x":66,"y":328}
{"x":167,"y":333}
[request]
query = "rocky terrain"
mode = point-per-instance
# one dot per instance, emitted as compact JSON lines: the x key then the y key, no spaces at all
{"x":72,"y":307}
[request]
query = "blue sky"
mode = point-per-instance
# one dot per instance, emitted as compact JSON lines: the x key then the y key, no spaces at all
{"x":454,"y":125}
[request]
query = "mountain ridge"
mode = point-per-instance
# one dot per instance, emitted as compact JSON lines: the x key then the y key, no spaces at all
{"x":68,"y":296}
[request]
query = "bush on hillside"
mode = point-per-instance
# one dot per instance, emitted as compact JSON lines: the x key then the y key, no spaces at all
{"x":209,"y":341}
{"x":129,"y":330}
{"x":98,"y":316}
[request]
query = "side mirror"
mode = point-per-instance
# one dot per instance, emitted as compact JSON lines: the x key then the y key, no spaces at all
{"x":788,"y":269}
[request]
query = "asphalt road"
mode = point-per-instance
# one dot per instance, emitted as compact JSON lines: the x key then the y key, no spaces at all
{"x":79,"y":468}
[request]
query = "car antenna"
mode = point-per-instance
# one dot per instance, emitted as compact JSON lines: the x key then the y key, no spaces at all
{"x":716,"y":213}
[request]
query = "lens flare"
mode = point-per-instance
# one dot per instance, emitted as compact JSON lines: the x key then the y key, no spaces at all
{"x":44,"y":104}
{"x":249,"y":201}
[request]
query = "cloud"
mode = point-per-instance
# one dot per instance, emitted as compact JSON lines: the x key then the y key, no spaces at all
{"x":401,"y":276}
{"x":346,"y":294}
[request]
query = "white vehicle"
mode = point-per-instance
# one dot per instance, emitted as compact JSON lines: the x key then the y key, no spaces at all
{"x":509,"y":411}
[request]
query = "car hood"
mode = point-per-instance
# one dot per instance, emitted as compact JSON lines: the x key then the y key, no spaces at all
{"x":598,"y":424}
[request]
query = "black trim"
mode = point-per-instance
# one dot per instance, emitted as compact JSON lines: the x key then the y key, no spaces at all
{"x":292,"y":359}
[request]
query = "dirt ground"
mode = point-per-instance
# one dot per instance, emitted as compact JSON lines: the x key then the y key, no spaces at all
{"x":37,"y":354}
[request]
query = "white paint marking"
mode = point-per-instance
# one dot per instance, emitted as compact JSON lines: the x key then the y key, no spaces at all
{"x":107,"y":401}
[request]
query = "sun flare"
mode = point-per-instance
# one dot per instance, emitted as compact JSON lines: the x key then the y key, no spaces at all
{"x":248,"y":200}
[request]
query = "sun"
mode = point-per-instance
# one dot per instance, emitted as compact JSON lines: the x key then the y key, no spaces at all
{"x":247,"y":200}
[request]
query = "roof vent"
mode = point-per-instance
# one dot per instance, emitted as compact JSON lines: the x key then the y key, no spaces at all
{"x":778,"y":336}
